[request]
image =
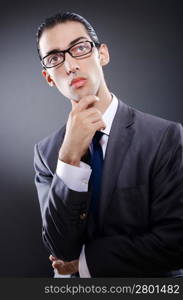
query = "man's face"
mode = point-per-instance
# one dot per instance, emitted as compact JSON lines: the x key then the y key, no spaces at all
{"x":88,"y":67}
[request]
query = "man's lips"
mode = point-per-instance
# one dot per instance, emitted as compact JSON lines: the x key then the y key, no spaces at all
{"x":78,"y":82}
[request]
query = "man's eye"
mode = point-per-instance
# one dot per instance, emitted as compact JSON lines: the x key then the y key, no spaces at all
{"x":54,"y":58}
{"x":80,"y":49}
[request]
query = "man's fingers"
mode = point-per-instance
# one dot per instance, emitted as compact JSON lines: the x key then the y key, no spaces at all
{"x":86,"y":102}
{"x":64,"y":268}
{"x":58,"y":264}
{"x":52,"y":258}
{"x":91,"y":115}
{"x":99,"y":125}
{"x":60,"y":268}
{"x":92,"y":111}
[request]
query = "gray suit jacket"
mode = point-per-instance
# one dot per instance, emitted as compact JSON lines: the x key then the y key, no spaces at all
{"x":141,"y":207}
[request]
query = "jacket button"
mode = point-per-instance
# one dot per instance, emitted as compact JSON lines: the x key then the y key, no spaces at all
{"x":83,"y":216}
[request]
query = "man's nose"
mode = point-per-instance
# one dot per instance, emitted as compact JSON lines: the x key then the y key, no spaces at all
{"x":70,"y":64}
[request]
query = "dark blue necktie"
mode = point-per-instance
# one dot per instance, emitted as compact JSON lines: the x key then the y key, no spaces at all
{"x":96,"y":164}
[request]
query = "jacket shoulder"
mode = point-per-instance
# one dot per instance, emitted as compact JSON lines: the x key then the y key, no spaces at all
{"x":149,"y":123}
{"x":48,"y":148}
{"x":52,"y":140}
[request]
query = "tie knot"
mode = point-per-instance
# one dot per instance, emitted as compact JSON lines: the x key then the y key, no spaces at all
{"x":97,"y":137}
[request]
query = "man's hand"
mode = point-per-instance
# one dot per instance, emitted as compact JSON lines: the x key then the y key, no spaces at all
{"x":64,"y":268}
{"x":84,"y":120}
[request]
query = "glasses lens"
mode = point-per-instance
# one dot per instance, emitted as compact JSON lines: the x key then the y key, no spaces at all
{"x":81,"y":49}
{"x":53,"y":60}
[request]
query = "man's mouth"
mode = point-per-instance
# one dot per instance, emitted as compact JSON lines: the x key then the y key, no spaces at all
{"x":78,"y":82}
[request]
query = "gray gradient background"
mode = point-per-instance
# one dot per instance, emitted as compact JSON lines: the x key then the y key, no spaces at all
{"x":145,"y":40}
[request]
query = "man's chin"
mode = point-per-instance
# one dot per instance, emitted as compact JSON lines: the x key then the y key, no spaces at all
{"x":78,"y":96}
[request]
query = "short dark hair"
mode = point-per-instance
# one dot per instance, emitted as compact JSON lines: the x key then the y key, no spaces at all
{"x":63,"y":18}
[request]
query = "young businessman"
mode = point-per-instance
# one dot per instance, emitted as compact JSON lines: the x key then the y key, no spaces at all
{"x":111,"y":208}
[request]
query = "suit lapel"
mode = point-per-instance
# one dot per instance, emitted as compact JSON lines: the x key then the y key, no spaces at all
{"x":118,"y":143}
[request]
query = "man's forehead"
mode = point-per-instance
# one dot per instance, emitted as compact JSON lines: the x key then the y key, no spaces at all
{"x":61,"y":35}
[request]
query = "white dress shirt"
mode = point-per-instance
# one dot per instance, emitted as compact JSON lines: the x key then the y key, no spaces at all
{"x":77,"y":178}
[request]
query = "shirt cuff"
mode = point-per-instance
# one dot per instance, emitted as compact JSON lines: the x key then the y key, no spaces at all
{"x":83,"y":268}
{"x":76,"y":178}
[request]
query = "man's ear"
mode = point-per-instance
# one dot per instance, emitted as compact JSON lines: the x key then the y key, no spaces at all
{"x":48,"y":78}
{"x":104,"y":55}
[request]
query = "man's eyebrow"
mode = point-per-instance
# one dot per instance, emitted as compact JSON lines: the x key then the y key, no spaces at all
{"x":76,"y":40}
{"x":70,"y":44}
{"x":51,"y":52}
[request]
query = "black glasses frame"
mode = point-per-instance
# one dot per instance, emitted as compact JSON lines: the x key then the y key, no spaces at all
{"x":93,"y":44}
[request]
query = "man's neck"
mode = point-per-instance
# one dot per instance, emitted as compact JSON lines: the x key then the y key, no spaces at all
{"x":105,"y":100}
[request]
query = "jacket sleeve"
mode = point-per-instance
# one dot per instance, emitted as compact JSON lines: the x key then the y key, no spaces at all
{"x":63,"y":212}
{"x":161,"y":248}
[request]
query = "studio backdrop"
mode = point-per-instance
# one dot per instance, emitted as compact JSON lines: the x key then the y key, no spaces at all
{"x":145,"y":41}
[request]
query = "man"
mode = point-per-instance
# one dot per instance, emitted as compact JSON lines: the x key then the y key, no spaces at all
{"x":129,"y":221}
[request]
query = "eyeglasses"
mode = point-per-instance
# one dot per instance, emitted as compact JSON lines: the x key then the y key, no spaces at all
{"x":77,"y":50}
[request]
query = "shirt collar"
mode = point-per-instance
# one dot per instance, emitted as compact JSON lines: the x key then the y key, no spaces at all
{"x":109,"y":114}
